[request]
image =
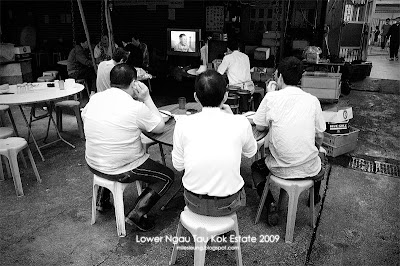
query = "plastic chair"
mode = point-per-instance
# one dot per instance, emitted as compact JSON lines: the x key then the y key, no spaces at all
{"x":75,"y":106}
{"x":294,"y":189}
{"x":149,"y":142}
{"x":233,"y":102}
{"x":10,"y":147}
{"x":117,"y":190}
{"x":205,"y":227}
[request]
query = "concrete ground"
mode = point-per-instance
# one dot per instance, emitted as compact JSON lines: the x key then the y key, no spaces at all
{"x":358,"y":224}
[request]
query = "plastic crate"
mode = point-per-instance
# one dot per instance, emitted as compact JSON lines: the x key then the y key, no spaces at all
{"x":323,"y":94}
{"x":321,"y":80}
{"x":343,"y":139}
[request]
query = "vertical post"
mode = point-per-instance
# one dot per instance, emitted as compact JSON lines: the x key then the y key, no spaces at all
{"x":109,"y":26}
{"x":87,"y":34}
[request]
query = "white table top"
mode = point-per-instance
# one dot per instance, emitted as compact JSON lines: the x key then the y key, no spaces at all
{"x":39,"y":93}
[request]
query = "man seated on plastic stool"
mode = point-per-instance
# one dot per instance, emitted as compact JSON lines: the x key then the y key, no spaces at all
{"x":208,"y":147}
{"x":113,"y":122}
{"x":296,"y":125}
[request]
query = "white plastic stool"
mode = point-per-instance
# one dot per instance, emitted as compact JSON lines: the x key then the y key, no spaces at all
{"x":294,"y":189}
{"x":10,"y":147}
{"x":75,"y":106}
{"x":117,"y":190}
{"x":205,"y":227}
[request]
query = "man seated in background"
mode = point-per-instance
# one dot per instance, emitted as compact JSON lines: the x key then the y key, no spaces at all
{"x":113,"y":121}
{"x":208,"y":147}
{"x":296,"y":125}
{"x":139,"y":53}
{"x":79,"y":66}
{"x":237,"y":67}
{"x":103,"y":50}
{"x":104,"y":69}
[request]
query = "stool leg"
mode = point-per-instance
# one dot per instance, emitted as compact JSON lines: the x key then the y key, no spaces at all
{"x":1,"y":171}
{"x":200,"y":251}
{"x":238,"y":251}
{"x":33,"y":165}
{"x":12,"y":157}
{"x":79,"y":120}
{"x":291,"y":216}
{"x":7,"y":164}
{"x":262,"y":201}
{"x":175,"y":249}
{"x":94,"y":197}
{"x":119,"y":209}
{"x":59,"y":118}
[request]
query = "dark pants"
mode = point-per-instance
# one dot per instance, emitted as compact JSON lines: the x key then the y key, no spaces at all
{"x":158,"y":177}
{"x":215,"y":206}
{"x":394,"y":49}
{"x":87,"y":74}
{"x":383,"y":42}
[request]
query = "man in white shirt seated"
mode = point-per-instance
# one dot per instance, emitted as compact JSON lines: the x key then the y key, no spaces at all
{"x":104,"y":69}
{"x":237,"y":67}
{"x":208,"y":147}
{"x":113,"y":122}
{"x":296,"y":125}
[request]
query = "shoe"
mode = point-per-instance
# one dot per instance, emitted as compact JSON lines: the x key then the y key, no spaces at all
{"x":272,"y":214}
{"x":146,"y":200}
{"x":317,"y":200}
{"x":391,"y":59}
{"x":397,"y":59}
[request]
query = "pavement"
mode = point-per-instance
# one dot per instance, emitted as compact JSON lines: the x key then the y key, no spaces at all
{"x":358,"y":219}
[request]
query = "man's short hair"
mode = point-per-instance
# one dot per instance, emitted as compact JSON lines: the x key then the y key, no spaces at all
{"x":120,"y":54}
{"x":210,"y":88}
{"x":388,"y":19}
{"x":233,"y":45}
{"x":181,"y":35}
{"x":291,"y":69}
{"x":122,"y":75}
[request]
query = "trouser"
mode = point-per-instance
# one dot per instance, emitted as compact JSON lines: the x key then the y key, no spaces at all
{"x":87,"y":74}
{"x":158,"y":177}
{"x":215,"y":206}
{"x":394,"y":49}
{"x":260,"y":171}
{"x":383,"y":42}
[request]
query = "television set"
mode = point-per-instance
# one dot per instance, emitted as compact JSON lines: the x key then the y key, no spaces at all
{"x":183,"y":42}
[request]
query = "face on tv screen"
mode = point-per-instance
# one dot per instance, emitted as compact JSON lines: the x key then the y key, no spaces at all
{"x":183,"y":41}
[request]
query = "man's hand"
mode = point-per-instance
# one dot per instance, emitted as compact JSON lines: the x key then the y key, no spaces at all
{"x":272,"y":86}
{"x":141,"y":91}
{"x":226,"y":108}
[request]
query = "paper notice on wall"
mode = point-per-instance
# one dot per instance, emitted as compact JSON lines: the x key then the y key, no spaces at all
{"x":215,"y":18}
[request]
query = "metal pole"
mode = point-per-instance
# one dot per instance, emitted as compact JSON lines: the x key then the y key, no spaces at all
{"x":87,"y":34}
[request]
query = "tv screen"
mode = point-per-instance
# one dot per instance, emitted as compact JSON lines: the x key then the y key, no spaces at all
{"x":185,"y":42}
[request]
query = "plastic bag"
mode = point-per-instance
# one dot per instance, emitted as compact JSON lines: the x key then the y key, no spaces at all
{"x":311,"y":53}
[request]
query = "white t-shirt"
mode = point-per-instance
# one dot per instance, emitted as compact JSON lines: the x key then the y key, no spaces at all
{"x":208,"y":146}
{"x":295,"y":118}
{"x":103,"y":75}
{"x":113,"y":121}
{"x":237,"y":66}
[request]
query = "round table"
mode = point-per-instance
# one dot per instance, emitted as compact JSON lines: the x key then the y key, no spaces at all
{"x":166,"y":137}
{"x":39,"y":92}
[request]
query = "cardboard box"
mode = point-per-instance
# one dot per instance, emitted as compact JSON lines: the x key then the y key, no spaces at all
{"x":261,"y":53}
{"x":337,"y":128}
{"x":22,"y":50}
{"x":338,"y":114}
{"x":321,"y":80}
{"x":336,"y":145}
{"x":324,"y":94}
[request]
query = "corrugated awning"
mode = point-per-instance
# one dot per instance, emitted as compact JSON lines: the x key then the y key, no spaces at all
{"x":356,"y":2}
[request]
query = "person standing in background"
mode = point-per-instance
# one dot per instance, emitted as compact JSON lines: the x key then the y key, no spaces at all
{"x":385,"y":29}
{"x":394,"y":34}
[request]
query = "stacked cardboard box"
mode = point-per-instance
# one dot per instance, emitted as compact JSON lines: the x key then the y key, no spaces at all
{"x":339,"y":137}
{"x":323,"y":85}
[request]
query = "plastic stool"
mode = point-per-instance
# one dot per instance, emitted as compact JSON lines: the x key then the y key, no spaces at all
{"x":205,"y":227}
{"x":75,"y":106}
{"x":294,"y":189}
{"x":149,"y":142}
{"x":233,"y":102}
{"x":117,"y":190}
{"x":3,"y":109}
{"x":46,"y":79}
{"x":10,"y":147}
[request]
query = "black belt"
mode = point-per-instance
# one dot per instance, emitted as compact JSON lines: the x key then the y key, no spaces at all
{"x":208,"y":196}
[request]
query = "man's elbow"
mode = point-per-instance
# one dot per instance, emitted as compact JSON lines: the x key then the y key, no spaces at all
{"x":159,"y":128}
{"x":261,"y":128}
